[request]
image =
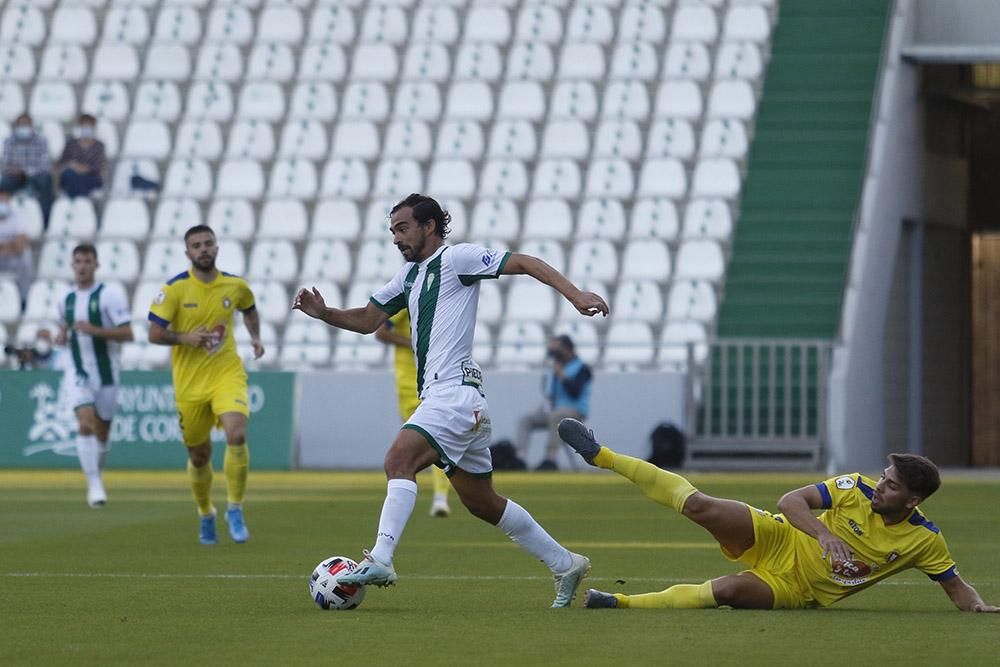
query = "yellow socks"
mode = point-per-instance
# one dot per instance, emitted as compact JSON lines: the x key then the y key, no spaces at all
{"x":201,"y":487}
{"x":236,"y":464}
{"x":441,"y":483}
{"x":681,"y":596}
{"x":659,"y":485}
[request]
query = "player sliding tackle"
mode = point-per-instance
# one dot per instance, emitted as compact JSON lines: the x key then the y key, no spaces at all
{"x":869,"y":531}
{"x":439,"y":285}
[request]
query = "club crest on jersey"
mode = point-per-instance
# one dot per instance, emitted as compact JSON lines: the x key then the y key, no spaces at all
{"x":429,"y":280}
{"x":160,"y":298}
{"x":226,"y":303}
{"x":844,"y":483}
{"x":893,"y":555}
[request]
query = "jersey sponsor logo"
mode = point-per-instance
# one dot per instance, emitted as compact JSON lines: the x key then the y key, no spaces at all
{"x":190,"y":305}
{"x":480,"y":420}
{"x":851,"y":572}
{"x":844,"y":483}
{"x":160,"y":297}
{"x":855,"y":527}
{"x":218,"y":338}
{"x":488,"y":257}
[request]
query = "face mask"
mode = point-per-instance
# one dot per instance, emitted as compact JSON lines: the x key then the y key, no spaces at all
{"x":85,"y":132}
{"x":23,"y":132}
{"x":4,"y":209}
{"x":43,"y":347}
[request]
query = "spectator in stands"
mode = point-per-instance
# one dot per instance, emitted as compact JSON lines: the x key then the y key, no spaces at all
{"x":15,"y":254}
{"x":26,"y":164}
{"x":39,"y":355}
{"x":81,"y":166}
{"x":567,"y":394}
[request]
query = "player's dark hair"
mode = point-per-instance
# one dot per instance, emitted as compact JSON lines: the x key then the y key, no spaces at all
{"x":197,"y":229}
{"x":426,"y":209}
{"x":567,"y":342}
{"x":85,"y":249}
{"x":918,"y":473}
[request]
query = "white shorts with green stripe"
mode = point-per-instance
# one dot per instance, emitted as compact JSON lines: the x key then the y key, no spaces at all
{"x":455,"y":420}
{"x":89,"y":391}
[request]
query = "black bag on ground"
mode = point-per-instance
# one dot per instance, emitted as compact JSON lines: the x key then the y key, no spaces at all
{"x":669,"y":446}
{"x":505,"y":457}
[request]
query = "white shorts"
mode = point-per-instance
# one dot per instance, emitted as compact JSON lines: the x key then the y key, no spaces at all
{"x":86,"y":391}
{"x":455,"y":420}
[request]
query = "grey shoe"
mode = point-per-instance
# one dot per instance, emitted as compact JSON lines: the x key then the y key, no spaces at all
{"x":580,"y":438}
{"x":567,"y":582}
{"x":596,"y":599}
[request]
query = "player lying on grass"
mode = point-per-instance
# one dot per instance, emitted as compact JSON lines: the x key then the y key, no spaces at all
{"x":869,"y":531}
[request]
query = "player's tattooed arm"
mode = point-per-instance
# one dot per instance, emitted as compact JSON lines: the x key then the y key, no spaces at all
{"x":587,"y":303}
{"x":360,"y":320}
{"x":158,"y":335}
{"x":251,"y":320}
{"x":965,"y":597}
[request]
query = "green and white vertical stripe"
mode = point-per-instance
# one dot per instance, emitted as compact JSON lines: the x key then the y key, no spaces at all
{"x":426,"y":307}
{"x":98,"y":345}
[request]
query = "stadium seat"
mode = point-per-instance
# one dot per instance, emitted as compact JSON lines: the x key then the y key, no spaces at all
{"x":629,"y":344}
{"x":11,"y":100}
{"x":108,"y":100}
{"x":739,"y":60}
{"x":374,"y":61}
{"x":594,"y":260}
{"x":638,"y":300}
{"x":641,"y":21}
{"x":547,"y":219}
{"x":72,"y":218}
{"x":732,"y":99}
{"x":251,"y":139}
{"x":376,"y":223}
{"x":724,"y":138}
{"x":146,"y":139}
{"x":305,"y":139}
{"x":407,"y":138}
{"x":691,"y":300}
{"x":452,"y":178}
{"x":521,"y":345}
{"x":331,"y":23}
{"x":177,"y":24}
{"x":601,"y":218}
{"x":426,"y":61}
{"x":335,"y":219}
{"x":239,"y":179}
{"x":52,"y":100}
{"x":574,"y":99}
{"x":478,"y":61}
{"x":435,"y":23}
{"x":125,"y":219}
{"x":157,"y":99}
{"x":382,"y":23}
{"x":54,"y":135}
{"x":662,"y":177}
{"x":280,"y":25}
{"x":30,"y":214}
{"x":55,"y":262}
{"x":590,"y":23}
{"x":482,"y":342}
{"x":268,"y":338}
{"x":694,"y":23}
{"x":625,"y":100}
{"x":674,"y":342}
{"x":679,"y":99}
{"x":305,"y":344}
{"x":700,"y":260}
{"x":487,"y":24}
{"x":550,"y":252}
{"x":610,"y":178}
{"x":513,"y":139}
{"x":322,"y":62}
{"x":565,"y":139}
{"x":169,"y":62}
{"x":17,"y":62}
{"x":142,"y":299}
{"x":107,"y":133}
{"x":746,"y":23}
{"x":495,"y":219}
{"x":367,"y":100}
{"x":345,"y":178}
{"x":174,"y":216}
{"x":618,"y":139}
{"x":46,"y":299}
{"x":73,"y":25}
{"x":538,"y":22}
{"x":635,"y":60}
{"x":530,"y":61}
{"x":273,"y":259}
{"x":126,"y":24}
{"x":164,"y":259}
{"x":294,"y":178}
{"x":653,"y":218}
{"x":232,"y":258}
{"x":64,"y":62}
{"x":232,"y":219}
{"x":313,"y":101}
{"x":397,"y":178}
{"x":708,"y":219}
{"x":23,"y":24}
{"x":209,"y":100}
{"x":557,"y":178}
{"x":271,"y":62}
{"x":190,"y":177}
{"x":198,"y":138}
{"x":261,"y":100}
{"x":418,"y":100}
{"x":469,"y":100}
{"x":716,"y":177}
{"x":219,"y":61}
{"x":522,"y":100}
{"x":326,"y":259}
{"x":647,"y":259}
{"x":125,"y":169}
{"x":117,"y":62}
{"x":490,"y":303}
{"x":377,"y":261}
{"x":355,"y":351}
{"x":283,"y":219}
{"x":530,"y":301}
{"x":670,"y":137}
{"x":118,"y":261}
{"x":687,"y":60}
{"x":503,"y":178}
{"x":230,"y":24}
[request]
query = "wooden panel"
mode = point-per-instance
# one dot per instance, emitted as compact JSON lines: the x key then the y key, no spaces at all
{"x":986,"y":350}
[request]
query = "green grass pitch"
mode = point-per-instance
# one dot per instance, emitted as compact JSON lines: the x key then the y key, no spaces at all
{"x":129,"y":584}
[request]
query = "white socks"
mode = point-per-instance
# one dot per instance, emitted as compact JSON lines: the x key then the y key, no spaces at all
{"x":519,"y":526}
{"x":400,"y":497}
{"x":91,"y":455}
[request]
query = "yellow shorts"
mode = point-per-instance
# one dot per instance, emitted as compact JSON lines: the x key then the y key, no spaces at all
{"x":198,"y":417}
{"x":772,"y":560}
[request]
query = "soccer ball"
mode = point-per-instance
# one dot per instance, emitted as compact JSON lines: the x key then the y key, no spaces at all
{"x":325,"y":588}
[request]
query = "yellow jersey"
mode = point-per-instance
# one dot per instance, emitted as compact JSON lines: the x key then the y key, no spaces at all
{"x":879,"y":550}
{"x":405,"y":365}
{"x":184,"y":304}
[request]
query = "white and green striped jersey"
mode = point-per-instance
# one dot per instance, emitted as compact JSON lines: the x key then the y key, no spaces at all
{"x":103,"y":306}
{"x":442,"y":294}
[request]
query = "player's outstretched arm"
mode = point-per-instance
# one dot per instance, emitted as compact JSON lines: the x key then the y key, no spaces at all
{"x":159,"y":335}
{"x":965,"y":597}
{"x":122,"y":334}
{"x":251,"y":320}
{"x":798,"y":506}
{"x":387,"y":334}
{"x":587,"y":303}
{"x":361,"y":320}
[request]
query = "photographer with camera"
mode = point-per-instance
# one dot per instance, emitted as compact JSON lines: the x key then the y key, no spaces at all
{"x":38,"y":355}
{"x":566,"y":386}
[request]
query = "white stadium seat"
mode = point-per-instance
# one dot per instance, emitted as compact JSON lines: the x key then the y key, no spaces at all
{"x":157,"y":99}
{"x":251,"y":139}
{"x":625,"y":100}
{"x":478,"y":61}
{"x":513,"y":139}
{"x":30,"y":214}
{"x":367,"y":100}
{"x":148,"y":139}
{"x":174,"y":216}
{"x":670,"y":137}
{"x":601,"y":218}
{"x":108,"y":100}
{"x":24,"y":24}
{"x":231,"y":258}
{"x":322,"y":62}
{"x":273,"y":259}
{"x":305,"y":344}
{"x":11,"y":100}
{"x":230,"y":24}
{"x":530,"y":300}
{"x":17,"y":62}
{"x":522,"y":100}
{"x":674,"y":342}
{"x":530,"y":60}
{"x":708,"y":219}
{"x":142,"y":299}
{"x":73,"y":25}
{"x":354,"y":350}
{"x":127,"y":168}
{"x":283,"y":219}
{"x":557,"y":178}
{"x":452,"y":178}
{"x":521,"y":345}
{"x":303,"y":139}
{"x":376,"y":224}
{"x":198,"y":138}
{"x":189,"y":177}
{"x":618,"y":138}
{"x":594,"y":260}
{"x":691,"y":300}
{"x":646,"y":260}
{"x":336,"y":219}
{"x":261,"y":100}
{"x":435,"y":23}
{"x":376,"y":61}
{"x":700,"y":260}
{"x":271,"y":62}
{"x":490,"y":302}
{"x":687,"y":60}
{"x":724,"y":138}
{"x":209,"y":100}
{"x":55,"y":262}
{"x":164,"y":259}
{"x":539,"y":23}
{"x":125,"y":219}
{"x":54,"y":100}
{"x":232,"y":219}
{"x":739,"y":60}
{"x":695,"y":23}
{"x":629,"y":344}
{"x":419,"y":100}
{"x":635,"y":60}
{"x":732,"y":99}
{"x":178,"y":24}
{"x":72,"y":218}
{"x":345,"y":178}
{"x":487,"y":24}
{"x":495,"y":219}
{"x":746,"y":23}
{"x":565,"y":139}
{"x":716,"y":177}
{"x":280,"y":25}
{"x":469,"y":100}
{"x":653,"y":218}
{"x":293,"y":178}
{"x":314,"y":100}
{"x":482,"y":346}
{"x":118,"y":260}
{"x":64,"y":62}
{"x":219,"y":61}
{"x":126,"y":24}
{"x":331,"y":23}
{"x":397,"y":178}
{"x":641,"y":21}
{"x":240,"y":179}
{"x":408,"y":138}
{"x":638,"y":300}
{"x":590,"y":23}
{"x":378,"y":260}
{"x":118,"y":62}
{"x":503,"y":178}
{"x":458,"y":138}
{"x":663,"y":177}
{"x":550,"y":252}
{"x":679,"y":99}
{"x":170,"y":62}
{"x":549,"y":219}
{"x":426,"y":61}
{"x":610,"y":178}
{"x":46,"y":299}
{"x":382,"y":23}
{"x":326,"y":259}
